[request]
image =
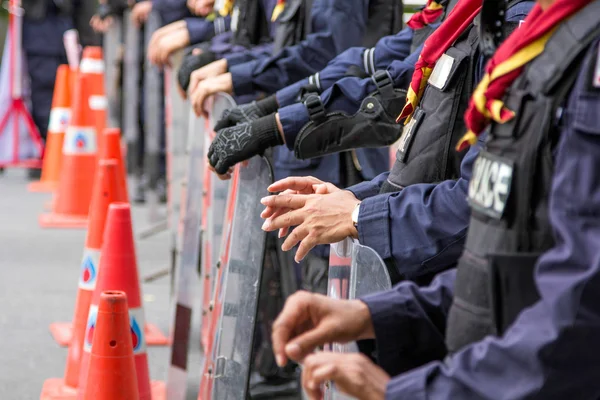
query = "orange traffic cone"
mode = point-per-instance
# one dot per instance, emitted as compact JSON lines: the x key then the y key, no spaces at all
{"x":112,"y":149}
{"x":112,"y":374}
{"x":70,"y":210}
{"x":106,"y":191}
{"x":60,"y":115}
{"x":119,"y":272}
{"x":92,"y":64}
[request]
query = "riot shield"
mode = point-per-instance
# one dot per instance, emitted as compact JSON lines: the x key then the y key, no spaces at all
{"x":365,"y":274}
{"x":237,"y":300}
{"x":177,"y":117}
{"x":215,"y":192}
{"x":131,"y":95}
{"x":186,"y":279}
{"x":112,"y":59}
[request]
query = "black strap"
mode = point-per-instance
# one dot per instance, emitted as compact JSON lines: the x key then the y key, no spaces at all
{"x":384,"y":83}
{"x":315,"y":108}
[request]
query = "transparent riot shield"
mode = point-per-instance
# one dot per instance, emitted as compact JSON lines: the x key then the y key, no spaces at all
{"x":131,"y":95}
{"x":112,"y":44}
{"x":215,"y":199}
{"x":366,"y":273}
{"x":188,"y":250}
{"x":237,"y":300}
{"x":175,"y":146}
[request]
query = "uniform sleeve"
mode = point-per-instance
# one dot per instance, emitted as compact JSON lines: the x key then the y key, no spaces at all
{"x":409,"y":321}
{"x":345,"y":95}
{"x":199,"y":29}
{"x":330,"y":36}
{"x":551,"y":349}
{"x":421,"y":227}
{"x":388,"y":49}
{"x":369,"y":188}
{"x":248,"y":58}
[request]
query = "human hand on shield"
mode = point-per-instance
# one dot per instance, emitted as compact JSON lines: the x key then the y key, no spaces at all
{"x":241,"y":142}
{"x":247,"y":113}
{"x":353,"y":374}
{"x":211,"y":70}
{"x":295,"y":185}
{"x":310,"y":320}
{"x":316,"y":218}
{"x":207,"y":88}
{"x":167,"y":40}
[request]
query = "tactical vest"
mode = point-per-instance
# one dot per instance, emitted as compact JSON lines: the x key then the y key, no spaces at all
{"x":509,"y":190}
{"x":426,"y":146}
{"x":293,"y":24}
{"x":384,"y":19}
{"x":249,"y":23}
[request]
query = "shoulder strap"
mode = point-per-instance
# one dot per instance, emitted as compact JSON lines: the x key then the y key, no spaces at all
{"x":570,"y":40}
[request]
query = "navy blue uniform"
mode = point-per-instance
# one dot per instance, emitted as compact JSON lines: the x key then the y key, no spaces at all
{"x":330,"y":36}
{"x":550,"y":351}
{"x":171,"y":10}
{"x":203,"y":29}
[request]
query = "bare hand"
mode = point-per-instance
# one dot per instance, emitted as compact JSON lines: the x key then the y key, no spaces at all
{"x":100,"y":25}
{"x":201,"y":7}
{"x":318,"y":219}
{"x":353,"y":374}
{"x":206,"y":88}
{"x":140,"y":12}
{"x":309,"y":320}
{"x":211,"y":70}
{"x":165,"y":41}
{"x":296,"y":185}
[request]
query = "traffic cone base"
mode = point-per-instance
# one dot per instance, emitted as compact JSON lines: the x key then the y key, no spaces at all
{"x":42,"y":186}
{"x":63,"y":221}
{"x":63,"y":331}
{"x":55,"y":389}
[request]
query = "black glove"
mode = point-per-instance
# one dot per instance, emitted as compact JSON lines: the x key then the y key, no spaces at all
{"x":247,"y":113}
{"x":191,"y":63}
{"x":241,"y":142}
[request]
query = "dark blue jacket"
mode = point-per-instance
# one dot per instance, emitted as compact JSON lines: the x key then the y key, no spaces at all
{"x":336,"y":26}
{"x":203,"y":29}
{"x":171,"y":10}
{"x":551,"y":350}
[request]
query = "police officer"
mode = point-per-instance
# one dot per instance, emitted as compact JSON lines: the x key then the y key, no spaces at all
{"x":44,"y":23}
{"x":328,"y":37}
{"x":532,"y":240}
{"x":405,"y":227}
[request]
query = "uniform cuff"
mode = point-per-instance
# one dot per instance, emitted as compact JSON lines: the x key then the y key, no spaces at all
{"x":364,"y":190}
{"x":236,"y":58}
{"x":408,"y":386}
{"x":292,"y":119}
{"x":241,"y":76}
{"x":373,"y":224}
{"x":199,"y":30}
{"x":289,"y":95}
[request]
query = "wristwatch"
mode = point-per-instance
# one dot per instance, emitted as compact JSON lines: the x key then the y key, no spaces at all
{"x":355,"y":215}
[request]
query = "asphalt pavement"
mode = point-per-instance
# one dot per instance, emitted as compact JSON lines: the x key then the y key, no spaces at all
{"x":38,"y":282}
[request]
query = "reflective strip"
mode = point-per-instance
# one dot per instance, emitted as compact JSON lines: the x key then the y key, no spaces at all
{"x":98,"y":103}
{"x":318,"y":81}
{"x":80,"y":141}
{"x":365,"y":58}
{"x":136,"y":323}
{"x":372,"y":61}
{"x":89,"y":269}
{"x":91,"y":66}
{"x":59,"y":119}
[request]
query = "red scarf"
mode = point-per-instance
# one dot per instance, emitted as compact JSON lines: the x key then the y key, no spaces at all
{"x":428,"y":15}
{"x":525,"y":44}
{"x":459,"y":19}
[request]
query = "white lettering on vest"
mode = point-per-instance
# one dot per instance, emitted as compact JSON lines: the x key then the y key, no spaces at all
{"x":490,"y":184}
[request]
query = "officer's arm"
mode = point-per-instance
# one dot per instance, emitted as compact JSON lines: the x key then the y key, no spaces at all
{"x":551,"y":351}
{"x":345,"y":95}
{"x":410,"y":321}
{"x":203,"y":29}
{"x":387,"y":50}
{"x":249,"y":57}
{"x":330,"y":37}
{"x":422,"y":227}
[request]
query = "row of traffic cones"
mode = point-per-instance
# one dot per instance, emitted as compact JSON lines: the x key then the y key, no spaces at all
{"x":88,"y":173}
